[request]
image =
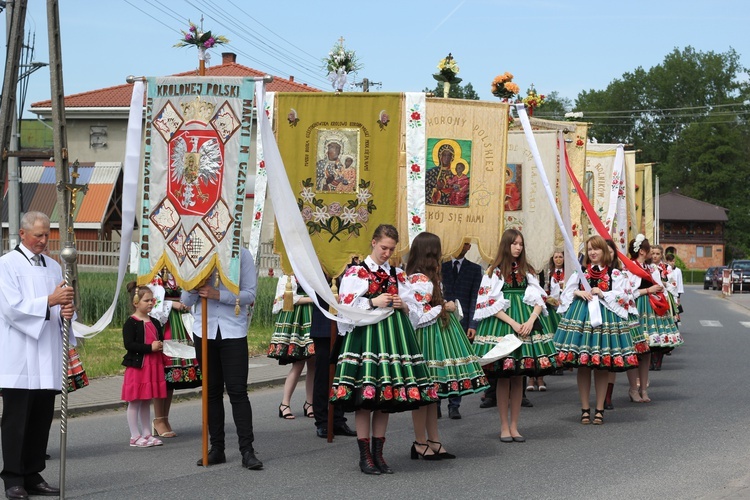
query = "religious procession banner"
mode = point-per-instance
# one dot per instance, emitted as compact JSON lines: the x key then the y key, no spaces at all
{"x":648,"y":201}
{"x":576,"y":150}
{"x":465,"y":160}
{"x":341,"y":152}
{"x":575,"y":134}
{"x":197,"y":144}
{"x":597,"y":180}
{"x":630,"y":196}
{"x":526,"y":206}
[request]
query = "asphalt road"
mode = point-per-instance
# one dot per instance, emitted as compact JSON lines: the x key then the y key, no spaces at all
{"x":692,"y":441}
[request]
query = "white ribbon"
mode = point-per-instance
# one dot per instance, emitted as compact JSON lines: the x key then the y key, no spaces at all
{"x":261,"y":181}
{"x":299,"y":247}
{"x":595,"y":316}
{"x":131,"y":170}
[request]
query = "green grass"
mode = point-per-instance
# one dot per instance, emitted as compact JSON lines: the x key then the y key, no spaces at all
{"x":102,"y":355}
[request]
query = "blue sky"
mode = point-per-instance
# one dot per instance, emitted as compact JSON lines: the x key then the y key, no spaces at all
{"x":558,"y":46}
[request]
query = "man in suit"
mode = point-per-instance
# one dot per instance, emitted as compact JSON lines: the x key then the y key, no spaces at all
{"x":461,"y":280}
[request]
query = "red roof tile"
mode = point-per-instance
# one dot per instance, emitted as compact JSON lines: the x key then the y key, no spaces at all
{"x":119,"y":95}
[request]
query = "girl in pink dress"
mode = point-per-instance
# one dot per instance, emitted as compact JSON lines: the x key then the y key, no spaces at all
{"x":144,"y":372}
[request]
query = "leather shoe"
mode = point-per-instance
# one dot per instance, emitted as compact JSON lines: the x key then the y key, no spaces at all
{"x":454,"y":414}
{"x":343,"y":430}
{"x":16,"y":493}
{"x":250,"y":461}
{"x":321,"y":432}
{"x":526,"y":403}
{"x":43,"y":489}
{"x":488,"y":403}
{"x":215,"y":457}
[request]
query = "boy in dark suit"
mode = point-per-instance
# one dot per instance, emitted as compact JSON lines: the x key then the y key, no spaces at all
{"x":461,"y":280}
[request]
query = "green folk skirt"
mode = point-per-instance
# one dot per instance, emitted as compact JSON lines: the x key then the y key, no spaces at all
{"x":536,"y":355}
{"x":291,"y":340}
{"x":381,"y":367}
{"x":610,"y":346}
{"x":450,"y":359}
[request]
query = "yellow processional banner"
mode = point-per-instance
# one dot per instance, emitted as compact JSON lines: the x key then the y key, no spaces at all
{"x":341,"y":153}
{"x":466,"y":148}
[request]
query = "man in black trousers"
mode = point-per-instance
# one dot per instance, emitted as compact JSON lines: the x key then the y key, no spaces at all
{"x":461,"y":280}
{"x":320,"y":332}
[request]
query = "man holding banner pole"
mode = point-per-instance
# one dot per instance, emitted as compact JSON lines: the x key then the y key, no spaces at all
{"x":227,"y":355}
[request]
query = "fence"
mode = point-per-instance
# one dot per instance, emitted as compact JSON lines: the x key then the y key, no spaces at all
{"x":93,"y":255}
{"x":104,"y":256}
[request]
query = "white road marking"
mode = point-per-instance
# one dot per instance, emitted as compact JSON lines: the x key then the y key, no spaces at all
{"x":711,"y":323}
{"x":746,"y":324}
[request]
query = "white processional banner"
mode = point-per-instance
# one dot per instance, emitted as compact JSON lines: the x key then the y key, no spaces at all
{"x":526,"y":207}
{"x":198,"y":139}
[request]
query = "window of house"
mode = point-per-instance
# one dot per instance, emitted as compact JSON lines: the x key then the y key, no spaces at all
{"x":704,"y":251}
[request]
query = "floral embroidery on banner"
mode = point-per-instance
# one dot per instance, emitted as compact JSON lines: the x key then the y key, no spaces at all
{"x":335,"y":218}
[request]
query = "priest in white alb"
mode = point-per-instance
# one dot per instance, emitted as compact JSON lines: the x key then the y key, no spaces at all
{"x":33,"y":303}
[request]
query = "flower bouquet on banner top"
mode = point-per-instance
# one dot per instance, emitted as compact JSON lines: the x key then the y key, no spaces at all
{"x":504,"y":87}
{"x":204,"y":40}
{"x":533,"y":100}
{"x":339,"y":64}
{"x":448,"y":71}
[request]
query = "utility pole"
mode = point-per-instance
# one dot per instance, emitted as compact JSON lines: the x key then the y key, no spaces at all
{"x":366,"y":83}
{"x":16,"y":17}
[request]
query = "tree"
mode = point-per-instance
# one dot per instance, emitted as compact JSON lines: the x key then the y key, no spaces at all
{"x":457,"y":91}
{"x":687,"y":114}
{"x":554,"y":107}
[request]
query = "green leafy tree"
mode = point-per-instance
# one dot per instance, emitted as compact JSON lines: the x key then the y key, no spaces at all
{"x":457,"y":91}
{"x":554,"y":107}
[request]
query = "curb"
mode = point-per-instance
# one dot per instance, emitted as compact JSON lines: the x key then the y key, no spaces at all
{"x":87,"y":408}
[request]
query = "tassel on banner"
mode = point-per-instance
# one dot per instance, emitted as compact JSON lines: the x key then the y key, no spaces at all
{"x":288,"y":296}
{"x":237,"y":306}
{"x":335,"y":292}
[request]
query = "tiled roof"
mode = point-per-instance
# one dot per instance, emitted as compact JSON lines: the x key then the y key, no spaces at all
{"x":39,"y":191}
{"x":675,"y":206}
{"x":119,"y":95}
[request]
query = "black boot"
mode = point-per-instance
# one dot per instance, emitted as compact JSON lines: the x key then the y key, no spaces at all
{"x":366,"y":464}
{"x":377,"y":455}
{"x":608,"y":398}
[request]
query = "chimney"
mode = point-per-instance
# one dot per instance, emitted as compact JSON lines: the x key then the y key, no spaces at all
{"x":228,"y":58}
{"x":291,"y":78}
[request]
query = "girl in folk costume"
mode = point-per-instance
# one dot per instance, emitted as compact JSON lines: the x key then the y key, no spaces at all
{"x":675,"y":285}
{"x":179,"y":373}
{"x":144,"y":372}
{"x":667,"y":279}
{"x":511,"y":301}
{"x":640,"y":341}
{"x":605,"y":348}
{"x":380,"y":367}
{"x":653,"y":314}
{"x":291,"y":343}
{"x":554,"y":285}
{"x":445,"y":347}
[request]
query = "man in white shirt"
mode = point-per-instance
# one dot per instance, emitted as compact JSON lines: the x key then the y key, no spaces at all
{"x":227,"y":359}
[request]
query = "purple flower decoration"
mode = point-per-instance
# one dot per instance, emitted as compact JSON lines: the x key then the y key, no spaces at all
{"x":334,"y":208}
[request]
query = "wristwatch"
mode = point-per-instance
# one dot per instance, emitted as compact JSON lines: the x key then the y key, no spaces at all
{"x":372,"y":306}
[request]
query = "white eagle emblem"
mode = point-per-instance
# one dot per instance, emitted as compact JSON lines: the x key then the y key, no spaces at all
{"x":190,"y":168}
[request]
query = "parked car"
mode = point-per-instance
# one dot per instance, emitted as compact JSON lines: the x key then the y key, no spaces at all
{"x":740,"y":275}
{"x":708,"y":278}
{"x":717,"y":277}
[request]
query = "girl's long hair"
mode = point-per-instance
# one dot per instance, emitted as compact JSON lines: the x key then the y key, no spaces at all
{"x":504,"y":259}
{"x":551,"y":266}
{"x":424,"y":257}
{"x":616,"y":264}
{"x":645,"y":246}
